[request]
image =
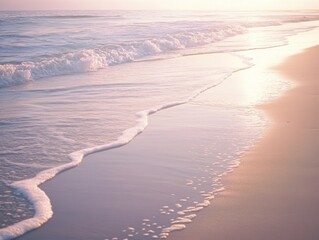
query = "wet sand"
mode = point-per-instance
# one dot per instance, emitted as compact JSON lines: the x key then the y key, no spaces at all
{"x":274,"y":194}
{"x":180,"y":154}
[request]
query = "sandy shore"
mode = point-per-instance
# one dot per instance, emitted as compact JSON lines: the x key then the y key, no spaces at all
{"x":169,"y":166}
{"x":271,"y":194}
{"x":274,"y":194}
{"x":113,"y":190}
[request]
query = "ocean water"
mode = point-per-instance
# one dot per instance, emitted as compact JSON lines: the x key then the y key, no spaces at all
{"x":72,"y":83}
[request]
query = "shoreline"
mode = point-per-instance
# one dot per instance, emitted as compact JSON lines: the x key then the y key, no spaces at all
{"x":200,"y":212}
{"x":274,"y":192}
{"x":79,"y":184}
{"x":181,"y":159}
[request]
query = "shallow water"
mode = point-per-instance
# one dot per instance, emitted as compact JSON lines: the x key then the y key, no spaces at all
{"x":50,"y":117}
{"x":161,"y":177}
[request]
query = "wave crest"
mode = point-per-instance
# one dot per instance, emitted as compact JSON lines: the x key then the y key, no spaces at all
{"x":88,"y":60}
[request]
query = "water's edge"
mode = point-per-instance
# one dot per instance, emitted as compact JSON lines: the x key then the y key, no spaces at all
{"x":30,"y":188}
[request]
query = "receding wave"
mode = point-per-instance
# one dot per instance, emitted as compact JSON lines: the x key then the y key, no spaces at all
{"x":41,"y":202}
{"x":88,"y":60}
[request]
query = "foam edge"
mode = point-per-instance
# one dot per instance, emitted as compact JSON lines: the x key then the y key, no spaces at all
{"x":41,"y":202}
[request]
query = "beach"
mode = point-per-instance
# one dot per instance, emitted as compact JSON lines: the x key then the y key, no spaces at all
{"x":167,"y":172}
{"x":135,"y":191}
{"x":274,"y":192}
{"x":164,"y":125}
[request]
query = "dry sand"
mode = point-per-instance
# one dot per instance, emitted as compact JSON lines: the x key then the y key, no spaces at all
{"x":274,"y":193}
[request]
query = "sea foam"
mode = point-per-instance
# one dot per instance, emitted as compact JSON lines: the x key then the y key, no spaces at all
{"x":49,"y":54}
{"x":88,"y":60}
{"x":41,"y":202}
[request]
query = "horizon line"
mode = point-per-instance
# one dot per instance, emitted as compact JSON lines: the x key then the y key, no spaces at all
{"x":201,"y":10}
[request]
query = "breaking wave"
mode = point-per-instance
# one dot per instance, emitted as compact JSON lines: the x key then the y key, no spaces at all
{"x":88,"y":60}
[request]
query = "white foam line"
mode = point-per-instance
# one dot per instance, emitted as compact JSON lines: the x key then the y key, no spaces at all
{"x":89,"y":60}
{"x":41,"y":202}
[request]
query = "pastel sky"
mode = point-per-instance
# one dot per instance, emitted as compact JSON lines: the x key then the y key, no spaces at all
{"x":158,"y":4}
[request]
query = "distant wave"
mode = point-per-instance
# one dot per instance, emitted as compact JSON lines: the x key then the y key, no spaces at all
{"x":80,"y":16}
{"x":88,"y":60}
{"x":277,"y":21}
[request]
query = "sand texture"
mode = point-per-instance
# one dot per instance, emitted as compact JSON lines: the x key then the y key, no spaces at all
{"x":274,"y":193}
